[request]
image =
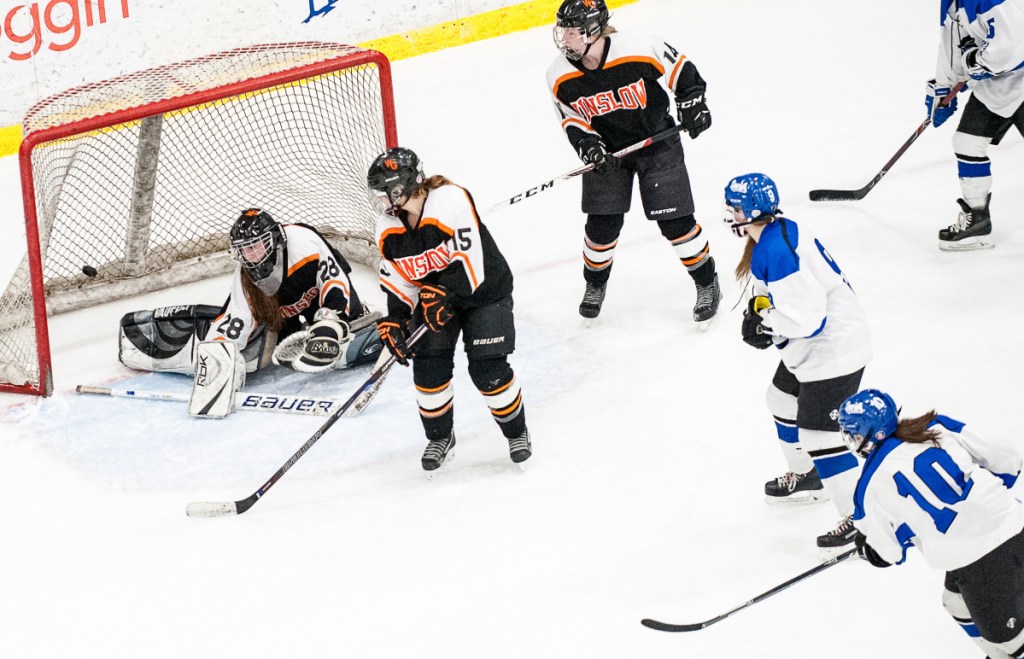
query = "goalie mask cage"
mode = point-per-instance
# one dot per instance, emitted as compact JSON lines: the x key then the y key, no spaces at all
{"x":132,"y":184}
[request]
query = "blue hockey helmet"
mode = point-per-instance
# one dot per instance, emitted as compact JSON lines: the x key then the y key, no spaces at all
{"x":754,"y":194}
{"x":866,"y":418}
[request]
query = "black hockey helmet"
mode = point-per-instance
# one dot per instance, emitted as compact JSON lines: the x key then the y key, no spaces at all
{"x":395,"y":174}
{"x":257,"y":243}
{"x":586,"y":18}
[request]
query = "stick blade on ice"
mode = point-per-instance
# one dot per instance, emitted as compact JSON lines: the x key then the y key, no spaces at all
{"x":211,"y":509}
{"x":836,"y":195}
{"x":666,"y":627}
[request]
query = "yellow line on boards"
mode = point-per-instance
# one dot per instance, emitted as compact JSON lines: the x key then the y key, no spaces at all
{"x":466,"y":30}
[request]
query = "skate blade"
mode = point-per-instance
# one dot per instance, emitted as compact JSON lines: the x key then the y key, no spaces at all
{"x":799,"y":499}
{"x":967,"y":244}
{"x":703,"y":325}
{"x":443,"y":469}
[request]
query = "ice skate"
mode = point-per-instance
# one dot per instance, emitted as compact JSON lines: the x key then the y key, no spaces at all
{"x":839,"y":538}
{"x":438,"y":452}
{"x":593,"y":298}
{"x":972,"y":229}
{"x":793,"y":488}
{"x":708,"y":298}
{"x":519,"y":448}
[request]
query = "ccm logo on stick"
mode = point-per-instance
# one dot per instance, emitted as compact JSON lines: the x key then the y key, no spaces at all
{"x":58,"y":23}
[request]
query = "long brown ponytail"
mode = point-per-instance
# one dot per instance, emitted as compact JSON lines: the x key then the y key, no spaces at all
{"x":266,"y":310}
{"x":916,"y":430}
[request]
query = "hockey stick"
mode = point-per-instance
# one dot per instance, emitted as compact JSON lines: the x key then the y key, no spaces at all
{"x":854,"y":195}
{"x":692,"y":627}
{"x":526,"y":194}
{"x":245,"y":401}
{"x":216,"y":509}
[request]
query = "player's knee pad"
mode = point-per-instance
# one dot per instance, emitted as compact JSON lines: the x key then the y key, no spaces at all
{"x":782,"y":405}
{"x":677,"y":228}
{"x":971,"y":146}
{"x":429,"y":371}
{"x":604,"y":229}
{"x":497,"y":382}
{"x":489,"y":374}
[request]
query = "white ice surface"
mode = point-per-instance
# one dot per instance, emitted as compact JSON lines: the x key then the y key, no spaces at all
{"x":643,"y":498}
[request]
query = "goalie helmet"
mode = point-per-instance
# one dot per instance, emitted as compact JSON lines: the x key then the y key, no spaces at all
{"x":755,"y":196}
{"x":577,"y":23}
{"x":395,"y":174}
{"x":257,"y":243}
{"x":867,"y":418}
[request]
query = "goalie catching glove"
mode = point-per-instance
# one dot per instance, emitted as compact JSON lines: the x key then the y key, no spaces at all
{"x":317,"y":349}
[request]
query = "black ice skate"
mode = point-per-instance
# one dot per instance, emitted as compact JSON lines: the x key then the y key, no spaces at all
{"x":706,"y":307}
{"x":839,"y":537}
{"x":519,"y":448}
{"x":437,"y":452}
{"x":972,"y":229}
{"x":793,"y":488}
{"x":593,"y":298}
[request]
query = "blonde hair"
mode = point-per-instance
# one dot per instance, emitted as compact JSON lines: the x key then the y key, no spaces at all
{"x":743,"y":267}
{"x":431,"y":183}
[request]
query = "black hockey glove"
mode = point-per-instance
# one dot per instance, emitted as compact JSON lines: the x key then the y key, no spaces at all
{"x":436,"y":307}
{"x":394,"y":334}
{"x":867,"y":552}
{"x":693,"y":112}
{"x":593,"y":151}
{"x":753,"y":329}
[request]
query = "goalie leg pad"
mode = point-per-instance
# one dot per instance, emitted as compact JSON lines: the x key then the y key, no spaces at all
{"x":163,"y":339}
{"x":220,"y":373}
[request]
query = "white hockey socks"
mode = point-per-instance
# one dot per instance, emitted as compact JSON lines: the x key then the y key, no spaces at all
{"x":783,"y":407}
{"x":837,"y":467}
{"x":220,"y":373}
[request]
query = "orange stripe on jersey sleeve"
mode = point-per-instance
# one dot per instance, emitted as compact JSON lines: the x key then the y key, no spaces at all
{"x":472,"y":206}
{"x":399,"y":294}
{"x":674,"y":78}
{"x":567,"y":77}
{"x":582,"y":124}
{"x":469,"y":267}
{"x":433,"y":221}
{"x":384,"y":235}
{"x":313,"y":257}
{"x":640,"y":60}
{"x":331,"y":284}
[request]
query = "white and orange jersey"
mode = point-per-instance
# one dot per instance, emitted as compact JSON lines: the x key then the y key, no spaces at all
{"x":317,"y":276}
{"x":450,"y":247}
{"x":624,"y":100}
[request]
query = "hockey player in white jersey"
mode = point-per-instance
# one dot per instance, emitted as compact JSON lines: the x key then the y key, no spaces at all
{"x":932,"y":483}
{"x":609,"y":90}
{"x":804,"y":307}
{"x":982,"y":42}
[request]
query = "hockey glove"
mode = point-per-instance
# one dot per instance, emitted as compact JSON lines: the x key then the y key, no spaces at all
{"x":436,"y":307}
{"x":323,"y":348}
{"x":593,"y":151}
{"x":394,"y":335}
{"x":693,"y":112}
{"x":867,"y":552}
{"x":933,"y":101}
{"x":753,"y":329}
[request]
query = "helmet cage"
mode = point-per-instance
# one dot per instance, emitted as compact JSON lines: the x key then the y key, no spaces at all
{"x":577,"y":23}
{"x":395,"y":174}
{"x":257,"y":244}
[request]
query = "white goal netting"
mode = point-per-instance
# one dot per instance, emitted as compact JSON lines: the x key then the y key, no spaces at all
{"x":137,"y":180}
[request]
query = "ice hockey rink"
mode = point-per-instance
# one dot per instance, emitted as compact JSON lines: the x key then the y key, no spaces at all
{"x":651,"y":440}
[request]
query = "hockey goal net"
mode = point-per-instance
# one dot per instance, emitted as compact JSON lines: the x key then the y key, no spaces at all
{"x":132,"y":184}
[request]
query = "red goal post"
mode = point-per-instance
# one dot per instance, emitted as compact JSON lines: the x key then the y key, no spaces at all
{"x":131,"y":184}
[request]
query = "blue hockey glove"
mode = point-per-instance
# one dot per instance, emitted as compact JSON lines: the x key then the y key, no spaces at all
{"x":933,"y":101}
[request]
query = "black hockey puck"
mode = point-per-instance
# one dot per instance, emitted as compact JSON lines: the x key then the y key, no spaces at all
{"x":89,"y":271}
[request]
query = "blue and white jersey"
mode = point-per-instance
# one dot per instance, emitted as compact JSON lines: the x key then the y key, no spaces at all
{"x":997,"y":27}
{"x":816,"y":318}
{"x":951,"y":501}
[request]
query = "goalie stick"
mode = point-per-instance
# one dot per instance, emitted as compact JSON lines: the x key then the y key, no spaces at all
{"x":547,"y":185}
{"x":854,"y":195}
{"x":692,"y":627}
{"x":218,"y":509}
{"x":244,"y":401}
